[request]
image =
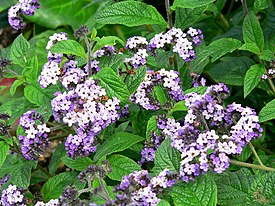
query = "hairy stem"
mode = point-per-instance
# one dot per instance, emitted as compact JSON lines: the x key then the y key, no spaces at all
{"x":259,"y":167}
{"x":255,"y":153}
{"x":169,"y":13}
{"x":244,"y":7}
{"x":88,"y":45}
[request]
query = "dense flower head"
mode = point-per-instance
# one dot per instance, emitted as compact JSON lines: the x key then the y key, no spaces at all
{"x":69,"y":197}
{"x":183,"y":43}
{"x":26,"y":7}
{"x":139,"y":189}
{"x":90,"y":110}
{"x":210,"y":132}
{"x":93,"y":171}
{"x":169,"y":80}
{"x":36,"y":140}
{"x":52,"y":202}
{"x":13,"y":196}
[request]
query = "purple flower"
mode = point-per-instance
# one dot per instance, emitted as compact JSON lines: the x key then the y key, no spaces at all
{"x":13,"y":196}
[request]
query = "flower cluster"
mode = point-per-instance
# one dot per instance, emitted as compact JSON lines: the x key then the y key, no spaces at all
{"x":36,"y":141}
{"x":69,"y":197}
{"x":271,"y":71}
{"x":26,"y":7}
{"x":183,"y":43}
{"x":138,"y":46}
{"x":89,"y":110}
{"x":210,"y":132}
{"x":169,"y":80}
{"x":139,"y":189}
{"x":13,"y":196}
{"x":198,"y":80}
{"x":53,"y":202}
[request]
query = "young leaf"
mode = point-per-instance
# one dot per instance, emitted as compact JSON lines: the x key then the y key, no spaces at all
{"x":252,"y":47}
{"x":252,"y":78}
{"x":152,"y":126}
{"x":31,"y":70}
{"x":179,"y":106}
{"x":201,"y":192}
{"x":252,"y":31}
{"x":118,"y":142}
{"x":19,"y":49}
{"x":37,"y":96}
{"x":267,"y":112}
{"x":107,"y":40}
{"x":79,"y":163}
{"x":56,"y":158}
{"x":190,"y":4}
{"x":121,"y":166}
{"x":260,"y":5}
{"x":113,"y":84}
{"x":133,"y":81}
{"x":69,"y":47}
{"x":114,"y":62}
{"x":14,"y":86}
{"x":166,"y":157}
{"x":130,"y":13}
{"x":233,"y":187}
{"x":122,"y":126}
{"x":160,"y":94}
{"x":3,"y":152}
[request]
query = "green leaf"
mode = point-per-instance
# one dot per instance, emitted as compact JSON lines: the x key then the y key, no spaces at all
{"x":163,"y":203}
{"x":252,"y":78}
{"x":201,"y":192}
{"x":21,"y":173}
{"x":118,"y":142}
{"x":267,"y":112}
{"x":252,"y":31}
{"x":130,"y":13}
{"x":133,"y":81}
{"x":246,"y":153}
{"x":152,"y":127}
{"x":69,"y":47}
{"x":252,"y":47}
{"x":79,"y":163}
{"x":190,"y":4}
{"x":15,"y":108}
{"x":3,"y":152}
{"x":267,"y":55}
{"x":122,"y":127}
{"x":4,"y":4}
{"x":160,"y":94}
{"x":37,"y":96}
{"x":233,"y":187}
{"x":14,"y":86}
{"x":114,"y":62}
{"x":166,"y":157}
{"x":56,"y":158}
{"x":19,"y":49}
{"x":179,"y":106}
{"x":113,"y":84}
{"x":107,"y":40}
{"x":262,"y":191}
{"x":187,"y":17}
{"x":235,"y":69}
{"x":199,"y":90}
{"x":53,"y":188}
{"x":31,"y":70}
{"x":121,"y":166}
{"x":260,"y":5}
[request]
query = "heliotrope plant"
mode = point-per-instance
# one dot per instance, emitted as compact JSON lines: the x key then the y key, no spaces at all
{"x":152,"y":119}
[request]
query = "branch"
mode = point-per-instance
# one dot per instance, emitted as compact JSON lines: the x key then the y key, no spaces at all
{"x":259,"y":167}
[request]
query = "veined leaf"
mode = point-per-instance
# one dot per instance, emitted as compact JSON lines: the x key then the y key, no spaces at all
{"x":252,"y":47}
{"x":19,"y":49}
{"x":133,"y":81}
{"x":268,"y":111}
{"x":79,"y":163}
{"x":190,"y":4}
{"x":14,"y":86}
{"x":69,"y":47}
{"x":3,"y":152}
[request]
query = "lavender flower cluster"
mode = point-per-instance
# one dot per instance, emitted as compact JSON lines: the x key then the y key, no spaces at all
{"x":139,"y":189}
{"x":168,"y":79}
{"x":183,"y":43}
{"x":36,"y":140}
{"x":26,"y":7}
{"x":13,"y":196}
{"x":210,"y":133}
{"x":89,"y":110}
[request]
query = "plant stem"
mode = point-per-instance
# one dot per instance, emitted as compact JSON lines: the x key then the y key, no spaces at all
{"x":255,"y":153}
{"x":104,"y":189}
{"x":244,"y":7}
{"x":271,"y":85}
{"x":88,"y":45}
{"x":259,"y":167}
{"x":44,"y":171}
{"x":224,"y":20}
{"x":169,"y":13}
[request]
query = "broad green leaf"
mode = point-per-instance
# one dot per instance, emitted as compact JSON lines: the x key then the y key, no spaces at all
{"x":14,"y":86}
{"x":53,"y":188}
{"x":58,"y":153}
{"x":65,"y":13}
{"x":122,"y":127}
{"x":79,"y":163}
{"x":21,"y":173}
{"x":118,"y":142}
{"x":235,"y":69}
{"x":267,"y":112}
{"x":252,"y":78}
{"x":107,"y":40}
{"x":133,"y":81}
{"x":260,"y":5}
{"x":19,"y":49}
{"x":31,"y":70}
{"x":252,"y":31}
{"x":187,"y":17}
{"x":179,"y":106}
{"x":69,"y":47}
{"x":37,"y":96}
{"x":114,"y":62}
{"x":199,"y":90}
{"x":113,"y":84}
{"x":201,"y":192}
{"x":163,"y":203}
{"x":252,"y":47}
{"x":267,"y":55}
{"x":190,"y":4}
{"x":160,"y":94}
{"x":130,"y":13}
{"x":152,"y":127}
{"x":233,"y":187}
{"x":166,"y":157}
{"x":15,"y":108}
{"x":262,"y":191}
{"x":3,"y":152}
{"x":121,"y":166}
